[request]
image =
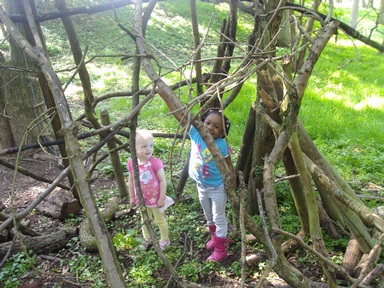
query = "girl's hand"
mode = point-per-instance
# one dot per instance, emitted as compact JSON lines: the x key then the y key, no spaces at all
{"x":161,"y":202}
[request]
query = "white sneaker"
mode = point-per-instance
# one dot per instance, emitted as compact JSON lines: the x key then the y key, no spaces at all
{"x":164,"y":243}
{"x":144,"y":245}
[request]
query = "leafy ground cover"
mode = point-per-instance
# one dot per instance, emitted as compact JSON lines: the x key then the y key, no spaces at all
{"x":343,"y":111}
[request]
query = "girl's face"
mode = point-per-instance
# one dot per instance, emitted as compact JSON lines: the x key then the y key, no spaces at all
{"x":144,"y":149}
{"x":214,"y":124}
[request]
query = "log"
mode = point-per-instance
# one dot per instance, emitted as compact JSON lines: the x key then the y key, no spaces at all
{"x":352,"y":256}
{"x":40,"y":244}
{"x":253,"y":260}
{"x":376,"y":273}
{"x":362,"y":265}
{"x":86,"y":237}
{"x":59,"y":204}
{"x":22,"y":226}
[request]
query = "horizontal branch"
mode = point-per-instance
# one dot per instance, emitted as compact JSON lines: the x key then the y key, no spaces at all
{"x":30,"y":174}
{"x":75,"y":11}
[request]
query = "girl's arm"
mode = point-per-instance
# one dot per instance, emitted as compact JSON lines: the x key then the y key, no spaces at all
{"x":132,"y":196}
{"x":163,"y":187}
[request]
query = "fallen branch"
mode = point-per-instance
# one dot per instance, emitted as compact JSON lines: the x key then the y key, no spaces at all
{"x":31,"y":174}
{"x":301,"y":242}
{"x":45,"y":243}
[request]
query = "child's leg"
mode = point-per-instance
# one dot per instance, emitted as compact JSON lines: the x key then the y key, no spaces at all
{"x":219,"y":201}
{"x":144,"y":228}
{"x":206,"y":204}
{"x":161,"y":222}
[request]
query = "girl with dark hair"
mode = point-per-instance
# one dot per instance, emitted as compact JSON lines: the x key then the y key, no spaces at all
{"x":204,"y":171}
{"x":210,"y":186}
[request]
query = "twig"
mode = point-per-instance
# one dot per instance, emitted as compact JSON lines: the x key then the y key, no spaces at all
{"x":8,"y":252}
{"x":268,"y":241}
{"x":242,"y":229}
{"x":372,"y":257}
{"x":301,"y":242}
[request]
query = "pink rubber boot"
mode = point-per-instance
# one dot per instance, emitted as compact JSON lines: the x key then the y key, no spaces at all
{"x":211,"y":243}
{"x":220,"y":252}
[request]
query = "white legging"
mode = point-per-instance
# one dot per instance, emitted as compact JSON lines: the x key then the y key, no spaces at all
{"x":213,"y":200}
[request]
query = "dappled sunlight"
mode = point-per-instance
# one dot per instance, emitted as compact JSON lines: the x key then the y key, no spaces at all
{"x":373,"y":101}
{"x":162,"y":17}
{"x":333,"y":95}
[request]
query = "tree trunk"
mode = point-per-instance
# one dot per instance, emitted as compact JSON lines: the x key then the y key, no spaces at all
{"x":115,"y":159}
{"x":17,"y":93}
{"x":381,"y":13}
{"x":354,"y":14}
{"x":70,"y":129}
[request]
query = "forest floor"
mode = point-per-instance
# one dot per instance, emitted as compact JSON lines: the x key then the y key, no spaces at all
{"x":26,"y":189}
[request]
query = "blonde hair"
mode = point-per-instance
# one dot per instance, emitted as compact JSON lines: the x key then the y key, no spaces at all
{"x":144,"y":134}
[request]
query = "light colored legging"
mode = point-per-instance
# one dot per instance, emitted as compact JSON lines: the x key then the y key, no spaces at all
{"x":213,"y":201}
{"x":159,"y":220}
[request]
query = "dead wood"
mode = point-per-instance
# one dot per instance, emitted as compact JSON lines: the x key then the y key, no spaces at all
{"x":291,"y":244}
{"x":364,"y":261}
{"x":59,"y":205}
{"x":86,"y":237}
{"x":46,"y":243}
{"x":30,"y":174}
{"x":74,"y":11}
{"x":326,"y":222}
{"x":22,"y":228}
{"x":352,"y":256}
{"x":368,"y":262}
{"x":253,"y":260}
{"x":125,"y":212}
{"x":376,"y":273}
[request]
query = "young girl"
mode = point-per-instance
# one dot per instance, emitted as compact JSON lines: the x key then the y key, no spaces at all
{"x":210,"y":186}
{"x":203,"y":169}
{"x":153,"y":186}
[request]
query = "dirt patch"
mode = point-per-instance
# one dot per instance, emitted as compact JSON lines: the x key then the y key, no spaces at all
{"x":19,"y":190}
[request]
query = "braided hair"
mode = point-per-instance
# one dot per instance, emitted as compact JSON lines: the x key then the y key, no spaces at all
{"x":227,"y":123}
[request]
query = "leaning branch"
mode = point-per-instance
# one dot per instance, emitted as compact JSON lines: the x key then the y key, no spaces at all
{"x":350,"y":31}
{"x":30,"y":174}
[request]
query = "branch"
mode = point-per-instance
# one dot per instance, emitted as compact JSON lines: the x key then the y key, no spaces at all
{"x":341,"y":270}
{"x":74,"y":11}
{"x":30,"y":174}
{"x":350,"y":31}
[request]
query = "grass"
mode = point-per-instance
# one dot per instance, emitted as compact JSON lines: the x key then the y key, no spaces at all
{"x":343,"y":111}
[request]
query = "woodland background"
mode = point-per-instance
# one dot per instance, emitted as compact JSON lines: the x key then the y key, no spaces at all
{"x":342,"y":111}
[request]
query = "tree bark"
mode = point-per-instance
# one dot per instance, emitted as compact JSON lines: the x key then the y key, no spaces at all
{"x":17,"y":93}
{"x":42,"y":244}
{"x":105,"y":245}
{"x":354,"y":14}
{"x":115,"y":159}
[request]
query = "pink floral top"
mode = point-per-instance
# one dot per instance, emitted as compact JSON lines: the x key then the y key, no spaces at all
{"x":149,"y":182}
